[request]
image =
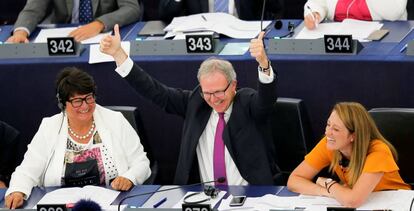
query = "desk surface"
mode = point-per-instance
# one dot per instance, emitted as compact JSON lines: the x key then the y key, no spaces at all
{"x":380,"y":76}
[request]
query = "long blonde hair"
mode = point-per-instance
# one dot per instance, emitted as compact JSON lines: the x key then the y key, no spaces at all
{"x":358,"y":122}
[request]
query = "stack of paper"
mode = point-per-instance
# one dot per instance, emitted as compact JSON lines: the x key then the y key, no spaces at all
{"x":221,"y":23}
{"x":384,"y":200}
{"x":64,"y":32}
{"x":359,"y":30}
{"x":73,"y":195}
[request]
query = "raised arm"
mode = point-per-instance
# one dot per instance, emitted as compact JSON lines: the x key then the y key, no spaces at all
{"x":111,"y":45}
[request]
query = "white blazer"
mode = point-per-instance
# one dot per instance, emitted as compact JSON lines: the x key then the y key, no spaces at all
{"x":43,"y":161}
{"x":390,"y":10}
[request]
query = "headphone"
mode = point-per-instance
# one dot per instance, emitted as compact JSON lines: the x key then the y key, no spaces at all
{"x":60,"y":102}
{"x":291,"y":28}
{"x":211,"y":191}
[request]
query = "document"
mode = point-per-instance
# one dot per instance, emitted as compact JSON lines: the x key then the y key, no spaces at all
{"x":73,"y":195}
{"x":201,"y":196}
{"x":64,"y":32}
{"x":96,"y":56}
{"x":359,"y":30}
{"x":221,"y":23}
{"x":383,"y":200}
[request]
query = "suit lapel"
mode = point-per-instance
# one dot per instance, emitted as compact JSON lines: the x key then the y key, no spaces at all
{"x":94,"y":7}
{"x":69,"y":8}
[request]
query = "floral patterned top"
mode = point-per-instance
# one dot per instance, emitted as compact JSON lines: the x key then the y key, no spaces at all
{"x":93,"y":150}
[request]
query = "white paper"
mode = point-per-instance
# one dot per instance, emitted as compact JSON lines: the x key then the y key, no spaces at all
{"x":73,"y":195}
{"x":96,"y":56}
{"x":235,"y":48}
{"x":201,"y":196}
{"x":221,"y":23}
{"x":64,"y":32}
{"x":359,"y":30}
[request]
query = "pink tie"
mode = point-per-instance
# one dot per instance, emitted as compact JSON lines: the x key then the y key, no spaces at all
{"x":219,"y":163}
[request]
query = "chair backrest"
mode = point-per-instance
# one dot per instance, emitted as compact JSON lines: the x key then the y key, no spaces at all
{"x":11,"y":151}
{"x":131,"y":113}
{"x":397,"y":126}
{"x":292,"y":133}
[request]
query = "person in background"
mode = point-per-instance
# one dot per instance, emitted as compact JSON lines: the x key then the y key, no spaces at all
{"x":356,"y":152}
{"x":225,"y":130}
{"x":243,"y":9}
{"x":11,"y":152}
{"x":94,"y":16}
{"x":367,"y":10}
{"x":85,"y":144}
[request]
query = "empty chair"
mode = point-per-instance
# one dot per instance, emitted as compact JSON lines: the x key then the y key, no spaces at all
{"x":397,"y":126}
{"x":291,"y":132}
{"x":131,"y":113}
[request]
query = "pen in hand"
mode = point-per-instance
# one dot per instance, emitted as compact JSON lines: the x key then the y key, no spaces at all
{"x":312,"y":15}
{"x":160,"y":202}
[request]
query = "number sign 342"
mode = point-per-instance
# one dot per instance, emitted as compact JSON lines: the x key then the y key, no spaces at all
{"x":61,"y":46}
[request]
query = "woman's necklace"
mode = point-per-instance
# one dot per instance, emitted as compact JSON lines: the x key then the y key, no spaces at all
{"x":85,"y":136}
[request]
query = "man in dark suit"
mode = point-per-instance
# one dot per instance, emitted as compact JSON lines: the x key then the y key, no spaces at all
{"x":243,"y":9}
{"x":104,"y":15}
{"x":246,"y":156}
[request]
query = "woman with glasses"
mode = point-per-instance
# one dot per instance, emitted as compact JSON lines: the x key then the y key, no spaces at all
{"x":354,"y":150}
{"x":85,"y":144}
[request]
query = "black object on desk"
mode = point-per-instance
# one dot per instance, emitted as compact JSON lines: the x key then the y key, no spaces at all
{"x":152,"y":28}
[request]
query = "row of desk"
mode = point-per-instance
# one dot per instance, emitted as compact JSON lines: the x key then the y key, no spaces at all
{"x":173,"y":196}
{"x":379,"y":76}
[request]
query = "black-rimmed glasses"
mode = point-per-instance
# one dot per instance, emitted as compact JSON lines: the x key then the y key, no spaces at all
{"x":217,"y":94}
{"x":77,"y":102}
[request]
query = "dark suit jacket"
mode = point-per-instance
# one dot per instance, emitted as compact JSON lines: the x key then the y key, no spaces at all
{"x":246,"y":9}
{"x":245,"y":133}
{"x":109,"y":12}
{"x":11,"y":151}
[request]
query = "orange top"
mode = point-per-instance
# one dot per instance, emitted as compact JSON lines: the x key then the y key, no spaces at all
{"x":379,"y":159}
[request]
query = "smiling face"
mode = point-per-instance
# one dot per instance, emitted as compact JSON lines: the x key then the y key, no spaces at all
{"x":213,"y":85}
{"x":80,"y":108}
{"x":338,"y":136}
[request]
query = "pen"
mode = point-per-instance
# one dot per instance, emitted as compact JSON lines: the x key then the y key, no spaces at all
{"x":313,"y":16}
{"x":160,"y":202}
{"x":403,"y":48}
{"x":204,"y":18}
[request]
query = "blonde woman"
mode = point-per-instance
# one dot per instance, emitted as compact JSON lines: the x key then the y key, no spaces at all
{"x":356,"y":152}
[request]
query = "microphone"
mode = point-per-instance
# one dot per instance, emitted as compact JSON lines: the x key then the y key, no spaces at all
{"x":291,"y":28}
{"x":219,"y":180}
{"x":86,"y":205}
{"x":263,"y":11}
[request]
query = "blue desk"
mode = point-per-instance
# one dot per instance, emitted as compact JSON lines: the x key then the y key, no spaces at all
{"x":380,"y":76}
{"x":38,"y":193}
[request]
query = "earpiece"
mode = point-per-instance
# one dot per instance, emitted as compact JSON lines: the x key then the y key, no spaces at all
{"x":209,"y":190}
{"x":60,"y":104}
{"x":344,"y":162}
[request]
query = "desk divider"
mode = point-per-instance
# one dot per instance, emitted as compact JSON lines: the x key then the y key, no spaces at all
{"x":410,"y":48}
{"x":167,"y":47}
{"x":305,"y":46}
{"x":30,"y":50}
